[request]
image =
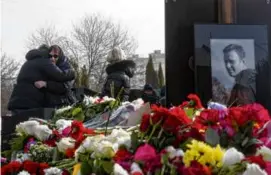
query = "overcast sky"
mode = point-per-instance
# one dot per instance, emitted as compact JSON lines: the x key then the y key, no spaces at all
{"x":143,"y":18}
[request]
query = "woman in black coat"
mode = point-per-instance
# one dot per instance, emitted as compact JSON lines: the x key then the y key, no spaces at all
{"x":119,"y":72}
{"x":37,"y":67}
{"x":58,"y":94}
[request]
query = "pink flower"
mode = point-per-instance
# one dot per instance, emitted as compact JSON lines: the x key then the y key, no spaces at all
{"x":266,"y":141}
{"x":66,"y":131}
{"x":268,"y":167}
{"x":145,"y":153}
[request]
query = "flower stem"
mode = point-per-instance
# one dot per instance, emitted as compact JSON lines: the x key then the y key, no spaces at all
{"x":163,"y":170}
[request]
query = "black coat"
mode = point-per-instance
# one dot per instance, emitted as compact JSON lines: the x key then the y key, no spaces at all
{"x":244,"y":90}
{"x":118,"y":77}
{"x":59,"y":94}
{"x":37,"y":67}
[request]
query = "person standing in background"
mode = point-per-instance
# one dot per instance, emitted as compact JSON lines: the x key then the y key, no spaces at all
{"x":119,"y":72}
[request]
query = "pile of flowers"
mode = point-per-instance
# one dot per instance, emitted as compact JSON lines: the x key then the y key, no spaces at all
{"x":186,"y":139}
{"x":87,"y":109}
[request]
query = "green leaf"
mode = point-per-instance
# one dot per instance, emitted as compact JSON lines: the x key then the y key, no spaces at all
{"x":165,"y":159}
{"x":107,"y":166}
{"x":134,"y":140}
{"x":251,"y":142}
{"x":245,"y":141}
{"x":248,"y":128}
{"x":224,"y":142}
{"x":86,"y":169}
{"x":189,"y":112}
{"x":237,"y":138}
{"x":211,"y":137}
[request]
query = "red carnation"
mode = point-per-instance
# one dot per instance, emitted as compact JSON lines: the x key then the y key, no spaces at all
{"x":53,"y":139}
{"x":122,"y":155}
{"x":12,"y":167}
{"x":257,"y":160}
{"x":159,"y":109}
{"x":123,"y":158}
{"x":89,"y":131}
{"x":65,"y":172}
{"x":70,"y":152}
{"x":196,"y":101}
{"x":31,"y":167}
{"x":42,"y":167}
{"x":208,"y":117}
{"x":184,"y":104}
{"x":176,"y":117}
{"x":145,"y":123}
{"x":196,"y":168}
{"x":156,"y":117}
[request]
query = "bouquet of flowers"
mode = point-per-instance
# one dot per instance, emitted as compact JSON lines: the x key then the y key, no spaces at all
{"x":87,"y":109}
{"x":186,"y":139}
{"x":50,"y":144}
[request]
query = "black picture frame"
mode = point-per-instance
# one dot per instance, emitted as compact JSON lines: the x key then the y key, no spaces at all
{"x":256,"y":37}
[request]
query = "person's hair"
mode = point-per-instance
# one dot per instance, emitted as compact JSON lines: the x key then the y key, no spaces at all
{"x":56,"y":48}
{"x":237,"y":48}
{"x":43,"y":47}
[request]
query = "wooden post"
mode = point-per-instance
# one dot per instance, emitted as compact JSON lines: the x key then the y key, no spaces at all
{"x":227,"y":11}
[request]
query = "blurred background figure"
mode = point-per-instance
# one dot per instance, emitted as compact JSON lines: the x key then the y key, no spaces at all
{"x":150,"y":95}
{"x":119,"y":72}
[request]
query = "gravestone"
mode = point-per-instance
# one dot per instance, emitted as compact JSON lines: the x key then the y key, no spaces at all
{"x":181,"y":15}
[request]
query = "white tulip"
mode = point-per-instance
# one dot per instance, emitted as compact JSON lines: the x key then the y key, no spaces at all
{"x":174,"y":152}
{"x":53,"y":171}
{"x":265,"y":152}
{"x":135,"y":168}
{"x":27,"y":127}
{"x":118,"y":170}
{"x":23,"y":173}
{"x":65,"y":143}
{"x":62,"y":124}
{"x":42,"y":132}
{"x":88,"y":145}
{"x":232,"y":156}
{"x":59,"y":111}
{"x":254,"y":169}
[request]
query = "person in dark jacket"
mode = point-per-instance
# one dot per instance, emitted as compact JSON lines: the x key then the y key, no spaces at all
{"x":37,"y":67}
{"x":149,"y":95}
{"x":244,"y":89}
{"x":119,"y":71}
{"x":162,"y":99}
{"x":57,"y":93}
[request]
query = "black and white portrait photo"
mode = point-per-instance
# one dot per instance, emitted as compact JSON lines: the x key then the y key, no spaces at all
{"x":233,"y":71}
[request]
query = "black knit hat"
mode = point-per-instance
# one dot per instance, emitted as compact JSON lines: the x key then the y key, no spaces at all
{"x":148,"y":87}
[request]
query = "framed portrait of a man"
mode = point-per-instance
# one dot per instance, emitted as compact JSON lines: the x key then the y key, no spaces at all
{"x":233,"y":71}
{"x":232,"y":64}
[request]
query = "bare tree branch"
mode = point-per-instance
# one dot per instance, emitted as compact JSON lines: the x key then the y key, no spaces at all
{"x":96,"y":35}
{"x":88,"y":45}
{"x":9,"y":69}
{"x":45,"y":35}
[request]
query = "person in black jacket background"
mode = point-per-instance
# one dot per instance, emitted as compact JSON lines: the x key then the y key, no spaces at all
{"x":150,"y":95}
{"x":119,"y":71}
{"x":37,"y":67}
{"x":57,"y":93}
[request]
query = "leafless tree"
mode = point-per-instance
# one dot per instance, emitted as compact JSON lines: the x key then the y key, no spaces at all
{"x":9,"y":69}
{"x":45,"y":35}
{"x":95,"y":36}
{"x":87,"y":46}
